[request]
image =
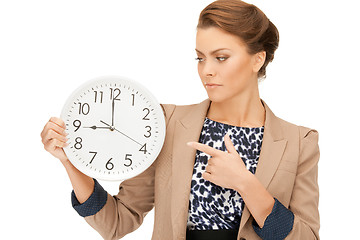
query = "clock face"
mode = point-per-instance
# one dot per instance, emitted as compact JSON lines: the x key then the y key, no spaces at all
{"x":116,"y":128}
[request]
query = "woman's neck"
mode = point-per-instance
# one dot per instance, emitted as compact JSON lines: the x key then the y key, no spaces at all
{"x":247,"y":112}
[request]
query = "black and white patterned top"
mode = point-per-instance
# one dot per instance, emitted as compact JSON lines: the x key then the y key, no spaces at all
{"x":212,"y":206}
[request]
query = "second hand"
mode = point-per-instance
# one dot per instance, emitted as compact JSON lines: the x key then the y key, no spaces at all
{"x":113,"y":128}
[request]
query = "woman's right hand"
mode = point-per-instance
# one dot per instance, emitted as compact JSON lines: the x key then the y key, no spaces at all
{"x":54,"y":138}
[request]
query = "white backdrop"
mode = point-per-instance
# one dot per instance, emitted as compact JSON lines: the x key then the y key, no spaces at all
{"x":48,"y":48}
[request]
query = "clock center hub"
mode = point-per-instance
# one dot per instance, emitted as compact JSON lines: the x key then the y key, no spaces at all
{"x":112,"y":128}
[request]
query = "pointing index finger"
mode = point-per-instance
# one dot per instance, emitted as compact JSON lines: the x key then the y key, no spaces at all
{"x":205,"y":148}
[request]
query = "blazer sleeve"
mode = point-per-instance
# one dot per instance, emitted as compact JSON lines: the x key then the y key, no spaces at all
{"x":125,"y":212}
{"x":305,"y":197}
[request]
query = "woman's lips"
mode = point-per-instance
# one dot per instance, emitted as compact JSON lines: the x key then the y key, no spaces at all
{"x":212,"y":86}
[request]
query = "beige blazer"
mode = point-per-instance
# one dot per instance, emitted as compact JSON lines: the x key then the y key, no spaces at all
{"x":287,"y":167}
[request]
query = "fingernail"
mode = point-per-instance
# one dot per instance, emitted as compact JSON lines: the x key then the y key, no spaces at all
{"x":189,"y":143}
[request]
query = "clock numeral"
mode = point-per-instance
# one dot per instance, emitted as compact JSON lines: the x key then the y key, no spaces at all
{"x":92,"y":157}
{"x":101,"y":96}
{"x":78,"y":144}
{"x":126,"y":158}
{"x":84,"y":108}
{"x":114,"y":93}
{"x":144,"y":118}
{"x":77,"y":124}
{"x":143,"y":148}
{"x":133,"y":99}
{"x":109,"y":165}
{"x":148,"y":132}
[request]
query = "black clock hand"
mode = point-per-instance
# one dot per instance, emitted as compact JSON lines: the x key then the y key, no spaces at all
{"x":112,"y":112}
{"x":95,"y":127}
{"x":112,"y":129}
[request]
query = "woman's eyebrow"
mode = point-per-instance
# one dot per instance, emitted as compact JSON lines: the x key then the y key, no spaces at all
{"x":213,"y":51}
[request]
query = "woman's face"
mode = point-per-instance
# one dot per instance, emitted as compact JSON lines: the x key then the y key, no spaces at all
{"x":232,"y":68}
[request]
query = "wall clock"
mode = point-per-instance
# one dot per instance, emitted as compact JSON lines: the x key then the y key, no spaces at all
{"x":116,"y":128}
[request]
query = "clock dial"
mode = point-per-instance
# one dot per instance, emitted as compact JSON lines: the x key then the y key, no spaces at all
{"x":116,"y":128}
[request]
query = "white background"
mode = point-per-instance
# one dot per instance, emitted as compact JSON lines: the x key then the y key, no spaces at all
{"x":48,"y":48}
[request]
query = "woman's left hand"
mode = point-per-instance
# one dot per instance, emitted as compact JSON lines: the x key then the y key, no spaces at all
{"x":225,"y":169}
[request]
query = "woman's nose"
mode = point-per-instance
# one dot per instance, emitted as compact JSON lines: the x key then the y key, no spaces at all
{"x":208,"y":70}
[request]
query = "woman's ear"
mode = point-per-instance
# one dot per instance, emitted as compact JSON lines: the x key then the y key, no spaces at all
{"x":259,"y":59}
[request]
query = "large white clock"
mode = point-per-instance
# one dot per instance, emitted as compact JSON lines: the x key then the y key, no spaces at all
{"x":116,"y":128}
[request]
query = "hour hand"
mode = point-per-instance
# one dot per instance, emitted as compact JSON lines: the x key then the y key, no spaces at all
{"x":96,"y":127}
{"x":108,"y":125}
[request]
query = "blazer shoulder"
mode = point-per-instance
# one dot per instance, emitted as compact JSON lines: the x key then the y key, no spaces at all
{"x":176,"y":111}
{"x":305,"y":131}
{"x":292,"y":128}
{"x":168,"y":110}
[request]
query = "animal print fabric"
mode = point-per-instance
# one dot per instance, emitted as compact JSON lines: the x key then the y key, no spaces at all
{"x":212,"y":206}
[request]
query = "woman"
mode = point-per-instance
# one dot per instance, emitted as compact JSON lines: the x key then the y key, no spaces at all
{"x":229,"y":168}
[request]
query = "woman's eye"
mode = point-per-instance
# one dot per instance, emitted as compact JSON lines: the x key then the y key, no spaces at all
{"x":221,"y":58}
{"x":199,"y":59}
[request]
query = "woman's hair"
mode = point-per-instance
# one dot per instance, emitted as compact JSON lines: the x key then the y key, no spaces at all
{"x":245,"y":21}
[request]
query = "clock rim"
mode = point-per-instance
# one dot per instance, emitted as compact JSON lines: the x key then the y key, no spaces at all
{"x":152,"y":157}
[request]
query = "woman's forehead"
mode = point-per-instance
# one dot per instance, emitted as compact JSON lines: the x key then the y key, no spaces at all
{"x":213,"y":38}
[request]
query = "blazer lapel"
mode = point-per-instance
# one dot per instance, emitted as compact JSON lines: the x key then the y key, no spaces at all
{"x":272,"y":149}
{"x":188,"y":129}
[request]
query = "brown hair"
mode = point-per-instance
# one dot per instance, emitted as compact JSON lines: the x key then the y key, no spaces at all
{"x":245,"y":21}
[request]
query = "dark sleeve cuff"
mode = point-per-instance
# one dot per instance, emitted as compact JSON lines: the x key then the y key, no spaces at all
{"x":93,"y":204}
{"x":277,"y":225}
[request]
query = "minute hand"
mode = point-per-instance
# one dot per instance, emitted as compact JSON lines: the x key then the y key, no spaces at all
{"x":121,"y":132}
{"x":112,"y":112}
